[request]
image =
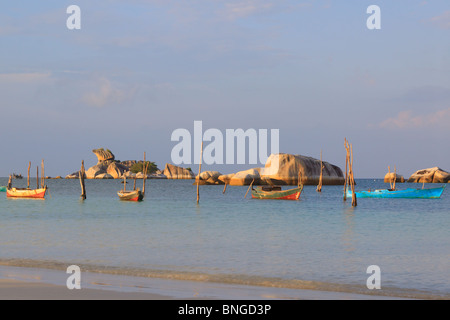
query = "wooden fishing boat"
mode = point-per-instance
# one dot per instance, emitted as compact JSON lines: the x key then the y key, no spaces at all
{"x":135,"y":195}
{"x":410,"y":193}
{"x":26,"y":193}
{"x":275,"y":192}
{"x":3,"y":189}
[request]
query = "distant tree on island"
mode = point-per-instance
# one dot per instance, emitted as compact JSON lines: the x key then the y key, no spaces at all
{"x":138,"y":167}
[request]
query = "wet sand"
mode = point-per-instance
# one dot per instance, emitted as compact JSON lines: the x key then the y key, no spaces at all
{"x":20,"y":290}
{"x":18,"y":283}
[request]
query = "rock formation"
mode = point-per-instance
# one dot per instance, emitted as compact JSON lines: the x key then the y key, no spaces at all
{"x":283,"y":169}
{"x":174,"y":172}
{"x":242,"y":178}
{"x":430,"y":175}
{"x":209,"y":177}
{"x":390,"y":177}
{"x":109,"y":168}
{"x":103,"y":155}
{"x":116,"y":170}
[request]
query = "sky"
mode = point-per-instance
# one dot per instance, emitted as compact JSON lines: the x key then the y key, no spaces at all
{"x":138,"y":70}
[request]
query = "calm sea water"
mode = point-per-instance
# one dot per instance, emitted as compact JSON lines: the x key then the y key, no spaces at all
{"x":319,"y":242}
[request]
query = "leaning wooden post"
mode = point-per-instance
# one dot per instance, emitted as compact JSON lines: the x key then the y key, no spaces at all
{"x":28,"y":175}
{"x":83,"y":186}
{"x":199,"y":171}
{"x":319,"y":186}
{"x":251,"y":184}
{"x":10,"y":182}
{"x":225,"y":188}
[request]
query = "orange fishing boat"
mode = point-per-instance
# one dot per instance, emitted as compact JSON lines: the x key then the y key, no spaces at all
{"x":26,"y":193}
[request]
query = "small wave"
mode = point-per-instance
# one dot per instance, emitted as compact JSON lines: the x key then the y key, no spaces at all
{"x":234,"y":279}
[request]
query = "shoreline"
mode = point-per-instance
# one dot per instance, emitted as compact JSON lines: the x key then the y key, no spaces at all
{"x":24,"y":283}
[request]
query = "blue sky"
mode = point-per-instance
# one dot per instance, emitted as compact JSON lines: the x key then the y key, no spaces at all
{"x":138,"y":70}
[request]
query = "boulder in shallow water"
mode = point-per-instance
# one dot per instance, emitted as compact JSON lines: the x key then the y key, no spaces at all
{"x":116,"y":170}
{"x":390,"y":177}
{"x":94,"y":171}
{"x":283,"y":169}
{"x":209,"y":177}
{"x":174,"y":172}
{"x":430,"y":175}
{"x":104,"y":176}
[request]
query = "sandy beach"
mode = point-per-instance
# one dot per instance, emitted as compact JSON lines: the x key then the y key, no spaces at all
{"x":19,"y":283}
{"x":20,"y":290}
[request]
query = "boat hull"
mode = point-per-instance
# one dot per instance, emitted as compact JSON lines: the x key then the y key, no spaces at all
{"x":2,"y":189}
{"x":291,"y":194}
{"x":131,"y":196}
{"x":433,"y":193}
{"x":26,"y":193}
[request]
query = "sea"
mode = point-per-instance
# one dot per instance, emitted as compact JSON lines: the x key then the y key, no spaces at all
{"x":319,"y":242}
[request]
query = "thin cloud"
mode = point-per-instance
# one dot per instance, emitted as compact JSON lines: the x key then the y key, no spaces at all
{"x":407,"y":120}
{"x":442,"y":21}
{"x":23,"y":78}
{"x":246,"y":8}
{"x":106,"y":94}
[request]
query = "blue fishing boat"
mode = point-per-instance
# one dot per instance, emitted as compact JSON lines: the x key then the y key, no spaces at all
{"x":2,"y":189}
{"x":410,"y":193}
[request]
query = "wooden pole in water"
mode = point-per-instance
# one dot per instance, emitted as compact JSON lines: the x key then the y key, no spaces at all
{"x":28,"y":175}
{"x":144,"y":169}
{"x":83,"y":186}
{"x":389,"y":175}
{"x":251,"y":184}
{"x":199,"y":171}
{"x":37,"y":177}
{"x":300,"y":176}
{"x":319,"y":186}
{"x":354,"y":201}
{"x":225,"y":188}
{"x":10,"y":182}
{"x":43,"y":174}
{"x":395,"y":177}
{"x":346,"y":170}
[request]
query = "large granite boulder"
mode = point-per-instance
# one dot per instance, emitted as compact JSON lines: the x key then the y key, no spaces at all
{"x":209,"y":177}
{"x":430,"y":175}
{"x":242,"y":178}
{"x":104,"y":176}
{"x":391,"y":176}
{"x":283,"y":169}
{"x":103,"y":155}
{"x":75,"y":175}
{"x":96,"y":170}
{"x":116,"y":170}
{"x":174,"y":172}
